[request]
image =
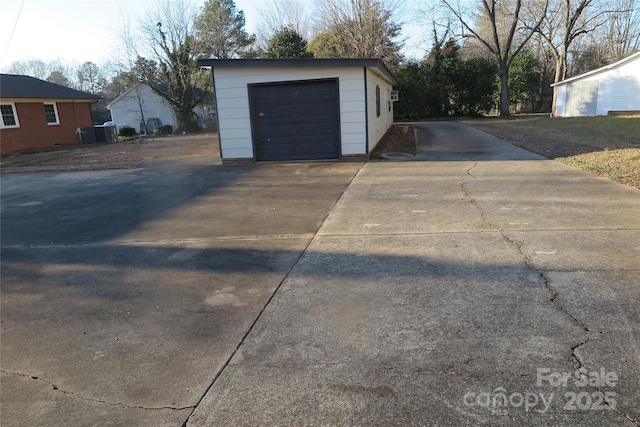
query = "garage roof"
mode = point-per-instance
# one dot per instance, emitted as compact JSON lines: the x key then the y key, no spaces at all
{"x":302,"y":62}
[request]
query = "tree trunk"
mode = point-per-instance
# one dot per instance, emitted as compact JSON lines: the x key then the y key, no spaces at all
{"x":561,"y":72}
{"x":186,"y":121}
{"x":139,"y":98}
{"x":504,"y":91}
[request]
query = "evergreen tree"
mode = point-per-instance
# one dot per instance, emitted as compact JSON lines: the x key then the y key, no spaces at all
{"x":445,"y":84}
{"x":287,"y":43}
{"x":220,"y":31}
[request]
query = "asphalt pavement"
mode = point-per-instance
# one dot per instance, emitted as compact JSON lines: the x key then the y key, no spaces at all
{"x":479,"y":285}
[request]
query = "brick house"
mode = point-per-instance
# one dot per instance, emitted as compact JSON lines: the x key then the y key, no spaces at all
{"x":37,"y":115}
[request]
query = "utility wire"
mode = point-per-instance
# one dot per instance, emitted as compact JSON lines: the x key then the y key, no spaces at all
{"x":15,"y":24}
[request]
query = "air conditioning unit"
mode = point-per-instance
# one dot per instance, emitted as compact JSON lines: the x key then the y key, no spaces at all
{"x":393,"y":95}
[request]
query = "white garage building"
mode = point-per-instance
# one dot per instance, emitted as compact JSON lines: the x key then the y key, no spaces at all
{"x":300,"y":109}
{"x":614,"y":88}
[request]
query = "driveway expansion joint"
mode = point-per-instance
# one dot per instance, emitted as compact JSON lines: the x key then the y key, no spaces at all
{"x":54,"y":387}
{"x":273,"y":295}
{"x":245,"y":335}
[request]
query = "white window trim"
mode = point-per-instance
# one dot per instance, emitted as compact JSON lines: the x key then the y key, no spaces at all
{"x":15,"y":116}
{"x":55,"y":110}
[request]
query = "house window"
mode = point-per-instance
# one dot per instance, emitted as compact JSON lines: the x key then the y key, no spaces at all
{"x":9,"y":118}
{"x":377,"y":101}
{"x":51,"y":112}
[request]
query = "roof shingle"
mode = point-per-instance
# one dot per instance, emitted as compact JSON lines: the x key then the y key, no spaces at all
{"x":15,"y":86}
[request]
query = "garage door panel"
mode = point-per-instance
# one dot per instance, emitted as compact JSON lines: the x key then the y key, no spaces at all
{"x":274,"y":121}
{"x":278,"y":116}
{"x":287,"y":104}
{"x":296,"y":121}
{"x":271,"y":134}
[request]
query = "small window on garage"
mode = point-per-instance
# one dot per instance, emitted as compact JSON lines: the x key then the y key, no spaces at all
{"x":377,"y":101}
{"x":8,"y":116}
{"x":51,"y":112}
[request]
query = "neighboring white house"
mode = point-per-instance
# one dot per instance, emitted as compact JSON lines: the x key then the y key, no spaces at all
{"x":615,"y":87}
{"x":300,"y":109}
{"x":125,"y":110}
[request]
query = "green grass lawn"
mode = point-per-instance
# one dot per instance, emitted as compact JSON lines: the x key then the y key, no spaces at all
{"x":606,"y":146}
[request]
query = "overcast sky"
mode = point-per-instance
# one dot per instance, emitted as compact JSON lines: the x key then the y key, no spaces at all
{"x":87,"y":30}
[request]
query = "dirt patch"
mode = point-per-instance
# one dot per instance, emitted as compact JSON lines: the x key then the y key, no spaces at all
{"x":122,"y":155}
{"x":397,"y":139}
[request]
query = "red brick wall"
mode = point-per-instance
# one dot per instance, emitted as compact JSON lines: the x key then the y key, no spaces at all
{"x":35,"y":134}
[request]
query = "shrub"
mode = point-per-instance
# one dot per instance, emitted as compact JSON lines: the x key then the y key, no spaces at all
{"x":211,"y":124}
{"x":128,"y":132}
{"x":445,"y":84}
{"x":163,"y":130}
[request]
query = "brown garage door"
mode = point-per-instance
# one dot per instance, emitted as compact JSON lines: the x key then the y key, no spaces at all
{"x":296,"y":120}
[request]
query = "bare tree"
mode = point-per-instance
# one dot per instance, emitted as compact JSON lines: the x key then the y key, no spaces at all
{"x":34,"y":67}
{"x":564,"y":22}
{"x":360,"y":29}
{"x":90,"y":78}
{"x":619,"y":35}
{"x":170,"y":70}
{"x":43,"y":70}
{"x":125,"y":62}
{"x":504,"y":36}
{"x":279,"y":14}
{"x":614,"y":38}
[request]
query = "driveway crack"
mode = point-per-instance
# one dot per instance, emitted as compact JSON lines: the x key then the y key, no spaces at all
{"x":574,"y":357}
{"x":56,"y":388}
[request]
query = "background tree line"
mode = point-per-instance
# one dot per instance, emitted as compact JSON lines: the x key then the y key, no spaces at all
{"x":485,"y":55}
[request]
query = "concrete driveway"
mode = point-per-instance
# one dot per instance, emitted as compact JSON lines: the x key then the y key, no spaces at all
{"x":464,"y":289}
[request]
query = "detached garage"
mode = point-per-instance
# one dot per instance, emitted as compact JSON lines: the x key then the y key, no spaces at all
{"x":611,"y":89}
{"x":300,"y":109}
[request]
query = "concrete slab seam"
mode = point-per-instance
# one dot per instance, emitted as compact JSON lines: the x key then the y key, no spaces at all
{"x":440,"y":233}
{"x":344,"y":190}
{"x":168,"y":242}
{"x":578,"y":362}
{"x":266,"y":305}
{"x":244,"y":337}
{"x":56,"y":388}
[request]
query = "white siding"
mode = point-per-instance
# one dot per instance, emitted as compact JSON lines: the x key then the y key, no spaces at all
{"x":620,"y":89}
{"x":378,"y":125}
{"x":126,"y":110}
{"x":232,"y":97}
{"x":613,"y":89}
{"x":561,"y":101}
{"x":581,"y":98}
